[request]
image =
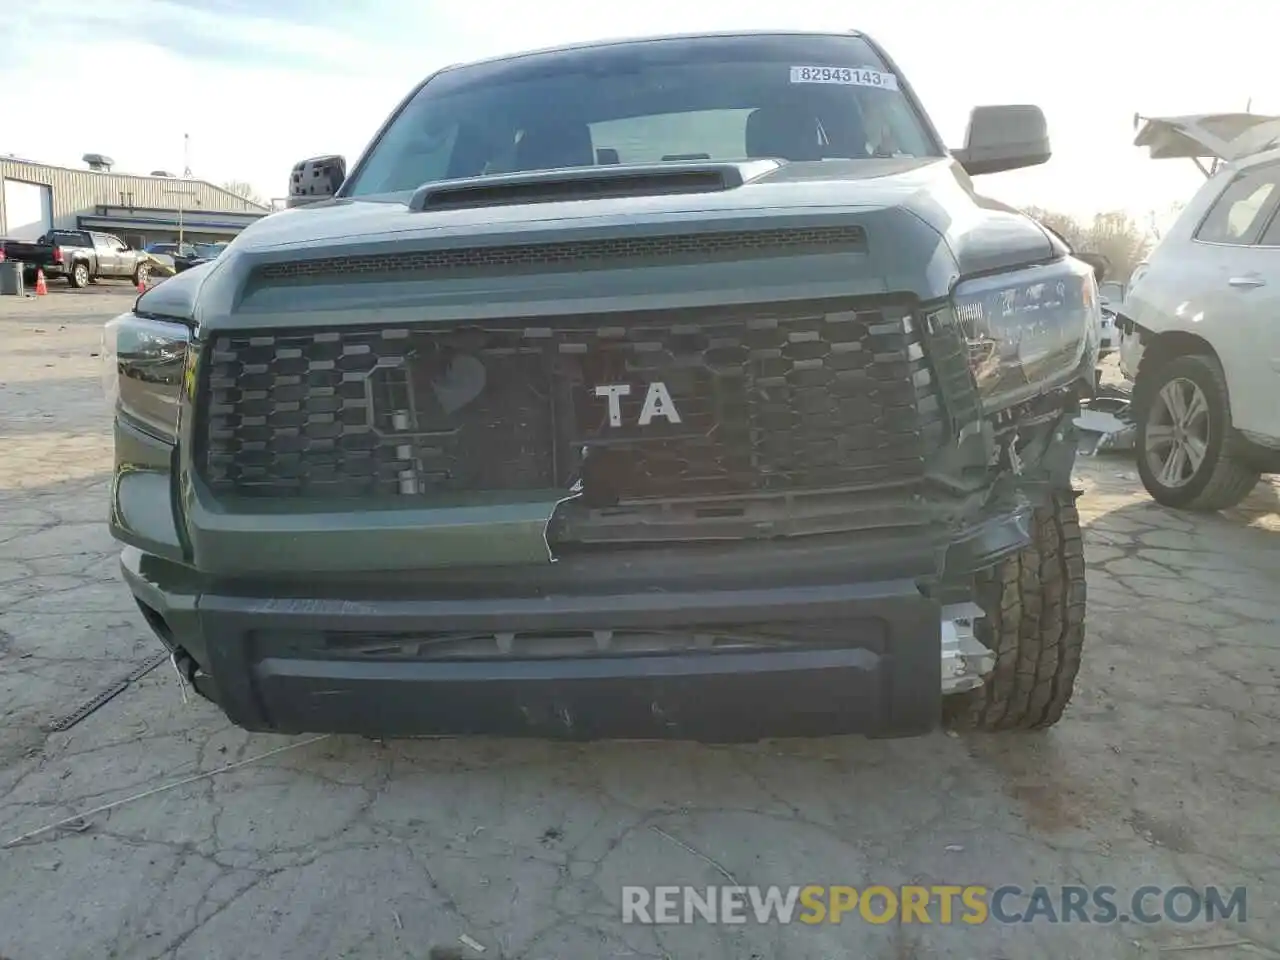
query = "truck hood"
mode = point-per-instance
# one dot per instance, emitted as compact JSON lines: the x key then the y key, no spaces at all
{"x":925,"y":227}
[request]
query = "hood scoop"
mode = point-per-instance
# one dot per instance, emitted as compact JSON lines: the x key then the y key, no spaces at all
{"x":588,"y":183}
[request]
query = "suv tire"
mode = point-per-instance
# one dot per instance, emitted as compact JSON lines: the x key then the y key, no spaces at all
{"x":79,"y":276}
{"x":1202,"y":427}
{"x":1035,"y":605}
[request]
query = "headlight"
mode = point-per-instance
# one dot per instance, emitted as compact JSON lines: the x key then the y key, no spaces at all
{"x":144,"y":367}
{"x":1028,"y":330}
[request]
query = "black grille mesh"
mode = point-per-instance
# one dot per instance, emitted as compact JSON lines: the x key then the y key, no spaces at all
{"x":582,"y":254}
{"x":767,"y":400}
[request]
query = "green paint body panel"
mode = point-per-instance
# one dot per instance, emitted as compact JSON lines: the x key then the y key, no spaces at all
{"x":141,"y":509}
{"x":333,"y":540}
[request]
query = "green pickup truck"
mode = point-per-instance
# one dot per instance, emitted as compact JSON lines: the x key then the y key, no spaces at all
{"x":667,"y":388}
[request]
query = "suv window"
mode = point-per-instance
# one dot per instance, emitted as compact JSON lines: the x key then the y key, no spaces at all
{"x":1240,"y":211}
{"x":719,"y":98}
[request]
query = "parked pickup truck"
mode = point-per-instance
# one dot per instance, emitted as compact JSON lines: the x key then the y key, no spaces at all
{"x":81,"y":256}
{"x":534,"y":424}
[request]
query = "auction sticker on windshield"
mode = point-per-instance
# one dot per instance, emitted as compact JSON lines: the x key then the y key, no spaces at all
{"x":852,"y":76}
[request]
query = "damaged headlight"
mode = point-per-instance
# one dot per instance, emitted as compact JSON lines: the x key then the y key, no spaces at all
{"x":1029,"y":329}
{"x":144,"y":371}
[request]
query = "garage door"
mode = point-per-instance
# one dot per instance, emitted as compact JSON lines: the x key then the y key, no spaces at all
{"x":28,"y":210}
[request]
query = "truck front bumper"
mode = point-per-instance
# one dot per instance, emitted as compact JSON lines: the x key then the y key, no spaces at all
{"x":852,"y":655}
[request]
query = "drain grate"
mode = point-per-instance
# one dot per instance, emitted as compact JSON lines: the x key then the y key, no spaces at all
{"x":69,"y":720}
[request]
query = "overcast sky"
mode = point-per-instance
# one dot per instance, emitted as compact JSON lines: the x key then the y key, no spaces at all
{"x":260,"y":85}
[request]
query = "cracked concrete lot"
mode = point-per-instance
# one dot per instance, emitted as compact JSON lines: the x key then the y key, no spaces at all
{"x":1163,"y":772}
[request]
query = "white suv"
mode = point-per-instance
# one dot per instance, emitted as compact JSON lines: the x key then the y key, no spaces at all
{"x":1200,"y":336}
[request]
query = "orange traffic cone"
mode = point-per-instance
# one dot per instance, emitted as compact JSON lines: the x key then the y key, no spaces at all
{"x":42,"y":288}
{"x":142,"y":285}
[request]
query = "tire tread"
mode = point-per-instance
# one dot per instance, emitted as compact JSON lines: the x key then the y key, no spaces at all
{"x":1035,"y":605}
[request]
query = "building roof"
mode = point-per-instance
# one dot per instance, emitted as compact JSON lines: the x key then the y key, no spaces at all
{"x":249,"y":205}
{"x":111,"y":218}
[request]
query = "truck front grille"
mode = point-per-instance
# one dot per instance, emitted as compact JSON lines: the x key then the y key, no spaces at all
{"x":766,"y":399}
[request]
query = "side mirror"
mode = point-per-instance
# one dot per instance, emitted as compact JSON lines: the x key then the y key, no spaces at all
{"x":316,"y":179}
{"x":1099,"y":263}
{"x":1004,"y":138}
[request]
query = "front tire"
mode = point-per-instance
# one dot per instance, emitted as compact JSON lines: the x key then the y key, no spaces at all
{"x":79,"y":277}
{"x":1035,"y":604}
{"x":1184,"y":436}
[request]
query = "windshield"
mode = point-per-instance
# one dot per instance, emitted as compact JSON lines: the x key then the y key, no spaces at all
{"x":800,"y":98}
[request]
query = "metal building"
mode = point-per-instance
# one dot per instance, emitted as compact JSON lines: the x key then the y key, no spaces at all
{"x":38,"y":197}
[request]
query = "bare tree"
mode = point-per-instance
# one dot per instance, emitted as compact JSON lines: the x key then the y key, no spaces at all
{"x":1063,"y":224}
{"x":243,"y":190}
{"x":1113,"y":234}
{"x":1118,"y":237}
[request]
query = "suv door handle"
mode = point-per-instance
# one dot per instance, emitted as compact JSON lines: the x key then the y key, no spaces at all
{"x":1247,"y":282}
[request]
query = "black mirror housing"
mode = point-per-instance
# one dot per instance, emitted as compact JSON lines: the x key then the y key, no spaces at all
{"x":1005,"y":137}
{"x":316,"y":179}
